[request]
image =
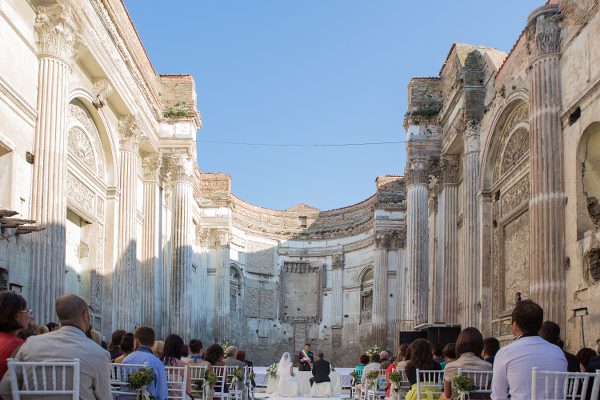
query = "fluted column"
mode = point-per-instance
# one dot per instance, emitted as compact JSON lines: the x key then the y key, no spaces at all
{"x":380,"y":287}
{"x":417,"y":289}
{"x":150,"y":238}
{"x":448,"y":242}
{"x":222,"y":287}
{"x":56,"y":39}
{"x":182,"y":192}
{"x":126,"y":311}
{"x":547,"y":202}
{"x":337,"y":297}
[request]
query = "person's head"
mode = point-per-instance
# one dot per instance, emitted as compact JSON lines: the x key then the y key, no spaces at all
{"x":96,"y":337}
{"x":306,"y":346}
{"x":143,"y":336}
{"x":231,"y":351}
{"x":52,"y":326}
{"x":13,"y":312}
{"x":72,"y":310}
{"x":401,"y":356}
{"x":550,"y":331}
{"x":116,"y":338}
{"x":41,"y":329}
{"x":127,"y":343}
{"x":158,"y":348}
{"x":375,"y":358}
{"x":384,"y":356}
{"x":321,"y":355}
{"x":449,"y":352}
{"x":420,"y":354}
{"x":195,"y":346}
{"x":491,"y":345}
{"x":241,"y":355}
{"x":364,"y":359}
{"x":214,"y":353}
{"x":584,"y":356}
{"x":436,"y":350}
{"x":469,"y":340}
{"x":174,"y":348}
{"x":527,"y":318}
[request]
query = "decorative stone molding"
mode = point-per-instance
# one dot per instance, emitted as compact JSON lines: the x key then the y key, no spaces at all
{"x":151,"y":164}
{"x":546,"y":32}
{"x":131,"y":133}
{"x":102,"y":90}
{"x":223,"y":237}
{"x":383,"y":240}
{"x":471,"y":137}
{"x":177,"y":167}
{"x":56,"y":32}
{"x":449,"y":170}
{"x":84,"y":140}
{"x":416,"y":175}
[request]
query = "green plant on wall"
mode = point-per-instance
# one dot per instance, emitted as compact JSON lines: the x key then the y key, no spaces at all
{"x":176,"y":110}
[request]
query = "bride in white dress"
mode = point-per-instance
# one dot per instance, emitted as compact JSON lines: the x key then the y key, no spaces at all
{"x":287,"y":386}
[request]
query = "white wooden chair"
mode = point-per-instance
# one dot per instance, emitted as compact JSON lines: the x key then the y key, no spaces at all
{"x":51,"y":378}
{"x":119,"y":374}
{"x":550,"y":385}
{"x":196,"y":374}
{"x":429,"y":382}
{"x":177,"y":378}
{"x":220,"y":390}
{"x":235,"y":390}
{"x":482,"y":380}
{"x":376,"y":391}
{"x":404,"y":384}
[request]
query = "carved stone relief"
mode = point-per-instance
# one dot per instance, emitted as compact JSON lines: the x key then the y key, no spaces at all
{"x":80,"y":194}
{"x":84,"y":140}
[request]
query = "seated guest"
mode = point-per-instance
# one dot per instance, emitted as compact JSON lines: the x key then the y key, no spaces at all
{"x":214,"y":355}
{"x":384,"y":358}
{"x":41,"y":329}
{"x":374,"y":365}
{"x":584,"y":356}
{"x":400,"y":360}
{"x":52,"y":326}
{"x":438,"y":355}
{"x":126,"y":347}
{"x":230,"y":358}
{"x":449,"y":352}
{"x":67,"y":343}
{"x":13,"y":317}
{"x":421,"y":357}
{"x":594,"y":363}
{"x":174,"y":349}
{"x":402,"y":357}
{"x":158,"y":348}
{"x":362,"y":362}
{"x":143,"y":340}
{"x":115,"y":343}
{"x":320,"y":370}
{"x":469,"y":346}
{"x":196,"y":351}
{"x":491,"y":346}
{"x":551,"y":332}
{"x":513,"y":363}
{"x":241,"y":355}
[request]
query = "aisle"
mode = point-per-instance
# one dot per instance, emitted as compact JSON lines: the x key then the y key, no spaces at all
{"x":264,"y":396}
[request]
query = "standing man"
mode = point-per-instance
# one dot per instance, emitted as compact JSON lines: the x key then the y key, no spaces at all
{"x":320,"y":370}
{"x":306,"y":358}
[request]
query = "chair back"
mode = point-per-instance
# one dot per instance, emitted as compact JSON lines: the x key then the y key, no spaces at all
{"x":220,"y":390}
{"x":548,"y":385}
{"x":429,"y":382}
{"x":119,"y":378}
{"x":381,"y":381}
{"x":177,"y":382}
{"x":482,"y":380}
{"x":404,"y":382}
{"x":196,"y":374}
{"x":45,"y":378}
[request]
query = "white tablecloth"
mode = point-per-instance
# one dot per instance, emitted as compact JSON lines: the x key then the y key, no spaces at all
{"x":304,"y":382}
{"x":261,"y":376}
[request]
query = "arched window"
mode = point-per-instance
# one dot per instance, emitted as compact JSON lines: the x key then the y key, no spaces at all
{"x":235,"y":288}
{"x":366,"y":295}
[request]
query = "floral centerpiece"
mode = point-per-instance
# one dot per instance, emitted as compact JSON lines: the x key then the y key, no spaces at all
{"x":139,"y":380}
{"x":272,"y":370}
{"x":463,"y":385}
{"x":225,"y":345}
{"x":373,"y":350}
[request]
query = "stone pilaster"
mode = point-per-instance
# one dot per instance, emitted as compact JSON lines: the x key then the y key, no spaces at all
{"x":380,"y":288}
{"x":547,"y":201}
{"x":182,"y":192}
{"x":222,"y":288}
{"x":150,"y":268}
{"x":125,"y":275}
{"x":417,"y":280}
{"x":471,"y":221}
{"x":337,"y":297}
{"x":56,"y":39}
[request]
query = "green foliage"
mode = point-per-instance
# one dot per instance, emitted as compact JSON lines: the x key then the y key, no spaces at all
{"x":272,"y":370}
{"x":394,"y":377}
{"x":175,"y":111}
{"x":373,"y":350}
{"x":239,"y":374}
{"x":372,"y":375}
{"x":463,"y":384}
{"x":353,"y":374}
{"x":210,"y":377}
{"x":140,"y":378}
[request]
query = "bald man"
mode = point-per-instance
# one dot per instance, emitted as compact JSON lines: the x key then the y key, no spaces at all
{"x":67,"y":343}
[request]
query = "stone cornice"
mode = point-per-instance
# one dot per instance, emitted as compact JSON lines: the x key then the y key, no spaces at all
{"x":56,"y":32}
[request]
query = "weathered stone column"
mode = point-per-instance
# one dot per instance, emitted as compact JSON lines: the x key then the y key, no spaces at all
{"x":337,"y":297}
{"x":150,"y":238}
{"x":547,"y":202}
{"x":222,"y":287}
{"x":125,"y":304}
{"x":417,"y":288}
{"x":448,"y":240}
{"x":472,"y":296}
{"x":380,"y":288}
{"x":180,"y":305}
{"x":56,"y":38}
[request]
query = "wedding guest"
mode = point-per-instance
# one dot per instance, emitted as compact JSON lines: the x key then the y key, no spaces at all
{"x":595,"y":362}
{"x":384,"y":356}
{"x":41,"y":329}
{"x":491,"y":345}
{"x":402,"y":357}
{"x":52,"y":326}
{"x":449,"y":352}
{"x":196,"y":351}
{"x":469,"y":346}
{"x":230,"y":358}
{"x":115,"y":343}
{"x":13,"y":317}
{"x":420,"y":357}
{"x":584,"y":356}
{"x":126,"y":347}
{"x":362,"y":362}
{"x":241,"y":355}
{"x":143,"y":340}
{"x":513,"y":363}
{"x":214,"y":355}
{"x":174,"y":349}
{"x":320,"y":370}
{"x":374,"y":365}
{"x":67,"y":343}
{"x":158,"y":348}
{"x":28,"y":331}
{"x":438,"y":355}
{"x":394,"y":366}
{"x":551,"y":332}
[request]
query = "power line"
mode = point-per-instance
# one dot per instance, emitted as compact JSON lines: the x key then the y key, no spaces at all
{"x":299,"y":144}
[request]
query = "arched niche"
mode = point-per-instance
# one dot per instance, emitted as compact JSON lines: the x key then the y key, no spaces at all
{"x":588,"y":180}
{"x":235,"y":288}
{"x":366,"y":294}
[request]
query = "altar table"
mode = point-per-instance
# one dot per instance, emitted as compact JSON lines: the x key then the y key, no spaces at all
{"x":304,"y":383}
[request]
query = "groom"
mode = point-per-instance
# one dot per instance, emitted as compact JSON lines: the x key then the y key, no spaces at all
{"x":306,"y":359}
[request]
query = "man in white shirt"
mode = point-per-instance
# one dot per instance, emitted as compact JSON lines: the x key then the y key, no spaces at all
{"x":513,"y":363}
{"x":374,"y":365}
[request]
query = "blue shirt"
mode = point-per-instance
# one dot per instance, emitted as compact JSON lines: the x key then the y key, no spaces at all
{"x":143,"y":354}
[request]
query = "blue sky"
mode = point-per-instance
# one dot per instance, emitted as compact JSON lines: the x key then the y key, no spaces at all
{"x":311,"y":72}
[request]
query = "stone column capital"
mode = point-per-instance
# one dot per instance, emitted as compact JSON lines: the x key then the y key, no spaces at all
{"x":471,"y":137}
{"x":131,"y":133}
{"x":448,"y":170}
{"x":56,"y":32}
{"x":383,"y":240}
{"x":416,"y":173}
{"x":151,"y":163}
{"x":178,"y":167}
{"x":223,"y":237}
{"x":544,"y":31}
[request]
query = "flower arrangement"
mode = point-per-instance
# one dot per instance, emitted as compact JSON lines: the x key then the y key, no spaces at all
{"x":371,"y":377}
{"x":225,"y":344}
{"x":394,"y":377}
{"x":272,"y":370}
{"x":139,"y":379}
{"x":353,"y":374}
{"x":463,"y":385}
{"x":373,"y":350}
{"x":210,"y":377}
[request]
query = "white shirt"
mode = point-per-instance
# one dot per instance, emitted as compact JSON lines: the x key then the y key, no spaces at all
{"x":513,"y":364}
{"x":374,"y":366}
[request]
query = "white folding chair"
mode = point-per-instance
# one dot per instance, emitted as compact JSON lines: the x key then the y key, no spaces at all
{"x":404,"y":382}
{"x":48,"y":378}
{"x":196,"y":374}
{"x":377,"y":391}
{"x":177,"y":382}
{"x":220,"y":391}
{"x":248,"y":382}
{"x":119,"y":374}
{"x":551,"y":385}
{"x":482,"y":380}
{"x":429,"y":382}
